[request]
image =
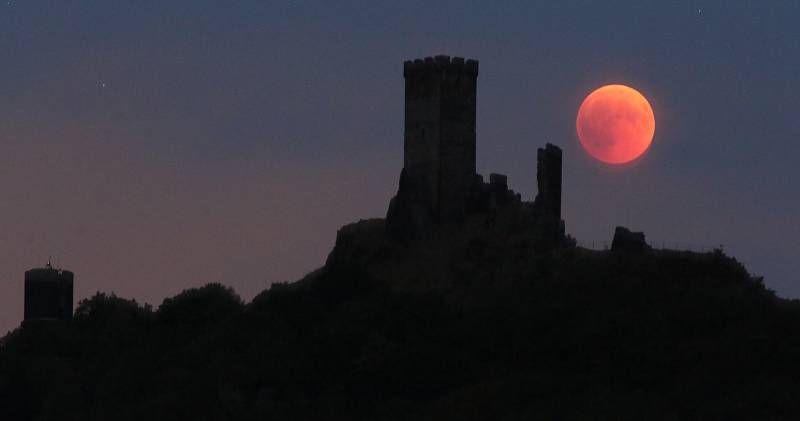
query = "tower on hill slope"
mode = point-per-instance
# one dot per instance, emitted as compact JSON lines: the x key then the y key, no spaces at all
{"x":439,"y":134}
{"x":48,"y":294}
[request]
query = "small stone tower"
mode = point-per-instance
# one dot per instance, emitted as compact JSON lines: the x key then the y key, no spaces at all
{"x":48,"y":294}
{"x":439,"y":144}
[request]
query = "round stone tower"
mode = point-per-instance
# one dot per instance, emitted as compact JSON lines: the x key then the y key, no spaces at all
{"x":48,"y":294}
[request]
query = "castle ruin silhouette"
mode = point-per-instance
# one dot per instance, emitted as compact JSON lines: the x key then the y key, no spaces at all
{"x":439,"y":187}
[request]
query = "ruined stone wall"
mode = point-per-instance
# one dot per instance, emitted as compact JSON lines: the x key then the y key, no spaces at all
{"x":548,"y":177}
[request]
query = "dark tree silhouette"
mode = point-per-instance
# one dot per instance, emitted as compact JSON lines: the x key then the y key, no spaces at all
{"x":573,"y":334}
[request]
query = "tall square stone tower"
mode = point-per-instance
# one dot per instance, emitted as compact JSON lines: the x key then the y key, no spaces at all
{"x":439,"y":141}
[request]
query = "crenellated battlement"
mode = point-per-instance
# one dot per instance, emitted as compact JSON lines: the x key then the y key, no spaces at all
{"x":440,"y":64}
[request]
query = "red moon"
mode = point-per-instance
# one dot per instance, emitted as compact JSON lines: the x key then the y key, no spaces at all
{"x":615,"y":124}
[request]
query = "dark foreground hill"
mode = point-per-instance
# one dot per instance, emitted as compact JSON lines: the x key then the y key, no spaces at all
{"x":485,"y":328}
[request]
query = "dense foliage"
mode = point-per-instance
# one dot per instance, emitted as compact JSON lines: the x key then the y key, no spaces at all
{"x":579,"y":335}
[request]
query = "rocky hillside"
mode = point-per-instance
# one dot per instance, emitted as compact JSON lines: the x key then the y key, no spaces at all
{"x":471,"y":324}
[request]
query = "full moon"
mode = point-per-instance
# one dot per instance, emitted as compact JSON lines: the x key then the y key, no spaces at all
{"x":615,"y":124}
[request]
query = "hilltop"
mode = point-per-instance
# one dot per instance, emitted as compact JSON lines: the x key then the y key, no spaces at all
{"x":465,"y":302}
{"x":568,"y":334}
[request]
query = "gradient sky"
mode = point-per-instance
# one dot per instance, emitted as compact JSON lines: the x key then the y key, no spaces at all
{"x":153,"y":146}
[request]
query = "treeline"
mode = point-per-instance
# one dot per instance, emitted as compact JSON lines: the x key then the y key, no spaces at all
{"x":575,"y":335}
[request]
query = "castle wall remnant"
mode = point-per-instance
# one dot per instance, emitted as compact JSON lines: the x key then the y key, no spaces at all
{"x":439,"y":140}
{"x":627,"y":240}
{"x":548,"y":177}
{"x":48,"y":294}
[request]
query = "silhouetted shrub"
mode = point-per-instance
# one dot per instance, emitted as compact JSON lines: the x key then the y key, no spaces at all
{"x":198,"y":306}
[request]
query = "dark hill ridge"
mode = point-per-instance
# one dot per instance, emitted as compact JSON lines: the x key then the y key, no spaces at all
{"x":574,"y":334}
{"x":465,"y":303}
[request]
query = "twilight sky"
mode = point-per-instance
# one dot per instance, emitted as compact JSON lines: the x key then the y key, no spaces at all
{"x":153,"y":146}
